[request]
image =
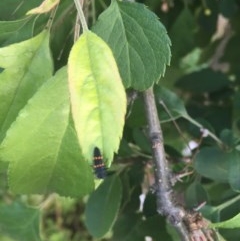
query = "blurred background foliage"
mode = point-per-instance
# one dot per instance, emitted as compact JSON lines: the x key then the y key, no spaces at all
{"x":203,"y":83}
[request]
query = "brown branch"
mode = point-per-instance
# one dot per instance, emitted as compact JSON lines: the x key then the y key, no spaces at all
{"x":165,"y":203}
{"x":190,"y":225}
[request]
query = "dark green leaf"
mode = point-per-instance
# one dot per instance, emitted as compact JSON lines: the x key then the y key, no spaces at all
{"x":236,"y":113}
{"x":19,"y":222}
{"x":10,"y":9}
{"x":103,"y":206}
{"x":228,"y":138}
{"x":154,"y":227}
{"x":228,"y":8}
{"x":125,"y":228}
{"x":9,"y":30}
{"x":61,"y":38}
{"x":171,"y":105}
{"x":139,"y":42}
{"x":137,"y":117}
{"x":213,"y":163}
{"x":142,"y":140}
{"x":182,"y":33}
{"x":234,"y":171}
{"x":195,"y":195}
{"x":205,"y":80}
{"x":124,"y":149}
{"x":211,"y":213}
{"x":132,"y":227}
{"x":150,"y":205}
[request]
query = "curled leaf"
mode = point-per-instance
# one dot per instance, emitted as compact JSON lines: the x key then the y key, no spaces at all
{"x":45,"y":7}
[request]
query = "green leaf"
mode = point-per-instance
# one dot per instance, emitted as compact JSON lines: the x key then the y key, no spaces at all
{"x":234,"y":171}
{"x":97,"y":96}
{"x":61,"y":35}
{"x":132,"y":226}
{"x":213,"y":163}
{"x":27,"y":65}
{"x":9,"y":29}
{"x":103,"y":206}
{"x":230,"y":223}
{"x":182,"y":33}
{"x":139,"y":42}
{"x":141,"y":140}
{"x":174,"y":106}
{"x":205,"y":80}
{"x":195,"y":195}
{"x":150,"y":227}
{"x":19,"y":222}
{"x":211,"y":212}
{"x":15,"y":10}
{"x":125,"y":228}
{"x":137,"y":116}
{"x":228,"y":8}
{"x":42,"y":146}
{"x":228,"y":137}
{"x":150,"y":205}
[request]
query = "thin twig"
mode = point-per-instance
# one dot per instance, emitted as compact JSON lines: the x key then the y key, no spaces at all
{"x":77,"y":29}
{"x":52,"y":15}
{"x":81,"y":15}
{"x":165,"y":203}
{"x":175,"y":124}
{"x":93,"y":13}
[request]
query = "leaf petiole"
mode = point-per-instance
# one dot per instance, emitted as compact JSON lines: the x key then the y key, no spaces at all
{"x":81,"y":15}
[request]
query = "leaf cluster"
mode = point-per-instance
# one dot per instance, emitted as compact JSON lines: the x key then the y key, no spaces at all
{"x":60,"y":98}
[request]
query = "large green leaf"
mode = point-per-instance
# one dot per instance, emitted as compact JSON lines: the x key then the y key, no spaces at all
{"x":103,"y":206}
{"x":26,"y":66}
{"x":97,"y":96}
{"x":213,"y":163}
{"x":42,"y":146}
{"x":138,"y":40}
{"x":19,"y":222}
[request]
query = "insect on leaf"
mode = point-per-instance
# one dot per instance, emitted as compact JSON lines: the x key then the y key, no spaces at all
{"x":97,"y":96}
{"x":98,"y":164}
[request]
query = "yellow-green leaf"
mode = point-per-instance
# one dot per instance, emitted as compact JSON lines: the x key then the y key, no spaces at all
{"x":24,"y":71}
{"x":97,"y":96}
{"x":42,"y":145}
{"x":46,"y":6}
